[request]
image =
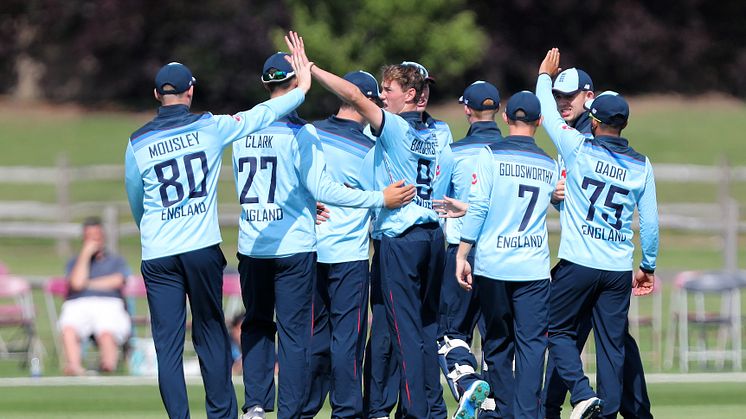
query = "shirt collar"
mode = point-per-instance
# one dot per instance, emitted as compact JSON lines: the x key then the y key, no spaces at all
{"x":346,"y":123}
{"x":484,"y":128}
{"x":172,"y":110}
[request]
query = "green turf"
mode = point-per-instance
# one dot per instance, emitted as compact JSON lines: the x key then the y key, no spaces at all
{"x":670,"y":401}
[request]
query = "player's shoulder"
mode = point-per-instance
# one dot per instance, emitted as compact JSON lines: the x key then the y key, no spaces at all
{"x":160,"y":124}
{"x":520,"y":145}
{"x":620,"y":147}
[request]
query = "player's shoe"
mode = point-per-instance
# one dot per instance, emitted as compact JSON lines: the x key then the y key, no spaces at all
{"x":472,"y":400}
{"x":587,"y":409}
{"x":255,"y":412}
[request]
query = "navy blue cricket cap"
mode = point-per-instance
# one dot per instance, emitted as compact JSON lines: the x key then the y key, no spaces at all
{"x":480,"y":96}
{"x":524,"y":101}
{"x":277,"y":69}
{"x":364,"y":81}
{"x":572,"y":81}
{"x":609,"y":108}
{"x":175,"y":75}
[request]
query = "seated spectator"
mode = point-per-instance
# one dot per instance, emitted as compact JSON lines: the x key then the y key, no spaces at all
{"x":94,"y":304}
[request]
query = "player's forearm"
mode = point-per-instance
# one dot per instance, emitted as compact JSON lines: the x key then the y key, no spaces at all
{"x":350,"y":94}
{"x":267,"y":112}
{"x":564,"y":137}
{"x":649,"y":229}
{"x":463,"y":250}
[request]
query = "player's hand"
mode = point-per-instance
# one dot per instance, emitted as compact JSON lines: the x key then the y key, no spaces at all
{"x":398,"y":195}
{"x":558,"y":195}
{"x":463,"y":273}
{"x":643,"y":283}
{"x":322,"y":213}
{"x":299,"y":61}
{"x":550,"y":65}
{"x":450,"y":207}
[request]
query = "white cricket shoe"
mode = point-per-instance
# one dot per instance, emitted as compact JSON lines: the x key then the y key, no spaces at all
{"x":255,"y":412}
{"x":472,"y":400}
{"x":587,"y":409}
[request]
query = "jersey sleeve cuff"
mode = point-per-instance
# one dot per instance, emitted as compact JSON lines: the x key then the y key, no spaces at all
{"x":468,"y":241}
{"x":377,"y":133}
{"x":647,"y":270}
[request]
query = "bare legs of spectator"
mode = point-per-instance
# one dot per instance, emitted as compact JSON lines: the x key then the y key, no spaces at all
{"x":71,"y":345}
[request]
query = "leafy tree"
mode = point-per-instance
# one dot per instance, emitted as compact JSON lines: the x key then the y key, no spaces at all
{"x":440,"y":34}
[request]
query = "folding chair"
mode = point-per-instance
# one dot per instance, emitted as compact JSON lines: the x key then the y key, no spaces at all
{"x":55,"y":292}
{"x":724,"y":286}
{"x":17,"y":322}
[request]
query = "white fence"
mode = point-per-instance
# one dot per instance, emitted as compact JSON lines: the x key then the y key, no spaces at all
{"x":58,"y":220}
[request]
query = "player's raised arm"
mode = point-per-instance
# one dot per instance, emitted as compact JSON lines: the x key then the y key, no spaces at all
{"x":345,"y":90}
{"x":565,"y":138}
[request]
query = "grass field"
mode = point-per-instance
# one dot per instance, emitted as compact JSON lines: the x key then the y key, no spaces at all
{"x":670,"y":401}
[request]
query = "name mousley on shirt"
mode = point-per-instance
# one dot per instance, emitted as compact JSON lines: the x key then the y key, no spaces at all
{"x":526,"y":172}
{"x":174,"y":144}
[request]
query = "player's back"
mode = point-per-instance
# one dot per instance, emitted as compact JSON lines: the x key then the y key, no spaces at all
{"x":179,"y":155}
{"x":409,"y":150}
{"x":605,"y":181}
{"x":464,"y":155}
{"x":513,"y":241}
{"x":344,"y":237}
{"x":276,"y":209}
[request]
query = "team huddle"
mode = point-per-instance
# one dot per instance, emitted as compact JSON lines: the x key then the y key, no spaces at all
{"x":459,"y":240}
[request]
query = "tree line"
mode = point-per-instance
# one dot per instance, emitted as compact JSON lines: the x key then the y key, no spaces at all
{"x":106,"y":52}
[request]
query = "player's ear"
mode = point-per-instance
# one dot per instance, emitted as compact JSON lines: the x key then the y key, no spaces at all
{"x":410,"y":95}
{"x":505,"y":118}
{"x":540,"y":120}
{"x":156,"y":95}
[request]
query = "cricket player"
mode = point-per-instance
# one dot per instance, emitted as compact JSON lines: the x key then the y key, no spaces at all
{"x":382,"y":372}
{"x":171,"y":173}
{"x":412,"y":245}
{"x":341,"y":294}
{"x":606,"y":181}
{"x":280,"y":174}
{"x":459,"y":309}
{"x":573,"y":90}
{"x":511,"y":189}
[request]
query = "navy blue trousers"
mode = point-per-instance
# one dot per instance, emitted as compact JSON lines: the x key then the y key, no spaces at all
{"x":280,"y":288}
{"x":635,"y":400}
{"x":516,"y":315}
{"x":381,"y":368}
{"x":459,"y":314}
{"x":575,"y":291}
{"x":340,"y":326}
{"x":169,"y":280}
{"x":411,"y":276}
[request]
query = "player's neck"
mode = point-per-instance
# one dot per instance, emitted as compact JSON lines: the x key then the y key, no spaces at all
{"x":351,"y":114}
